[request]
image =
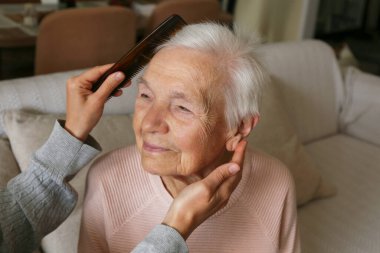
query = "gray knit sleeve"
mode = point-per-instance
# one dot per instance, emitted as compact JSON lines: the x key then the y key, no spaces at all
{"x":162,"y":239}
{"x":37,"y":201}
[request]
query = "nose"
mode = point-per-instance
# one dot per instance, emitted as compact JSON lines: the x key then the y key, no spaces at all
{"x":154,"y":120}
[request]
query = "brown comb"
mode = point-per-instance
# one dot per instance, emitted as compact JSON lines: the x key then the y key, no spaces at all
{"x":136,"y":58}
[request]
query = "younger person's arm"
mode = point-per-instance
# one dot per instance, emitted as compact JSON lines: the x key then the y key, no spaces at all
{"x":38,"y":200}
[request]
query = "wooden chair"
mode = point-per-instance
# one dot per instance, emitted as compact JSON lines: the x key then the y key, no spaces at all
{"x":192,"y":11}
{"x":18,"y":1}
{"x":80,"y":38}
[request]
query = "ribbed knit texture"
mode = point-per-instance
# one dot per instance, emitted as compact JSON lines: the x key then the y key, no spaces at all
{"x":123,"y":203}
{"x":37,"y":201}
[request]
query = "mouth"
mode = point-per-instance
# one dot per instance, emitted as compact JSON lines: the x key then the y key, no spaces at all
{"x":153,"y":148}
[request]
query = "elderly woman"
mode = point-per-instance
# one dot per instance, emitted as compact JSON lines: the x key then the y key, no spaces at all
{"x":197,"y":99}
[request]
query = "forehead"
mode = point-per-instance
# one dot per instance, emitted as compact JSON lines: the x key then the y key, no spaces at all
{"x":185,"y":69}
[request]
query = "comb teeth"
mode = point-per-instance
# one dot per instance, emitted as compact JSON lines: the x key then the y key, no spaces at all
{"x":140,"y":68}
{"x":119,"y":87}
{"x":138,"y":57}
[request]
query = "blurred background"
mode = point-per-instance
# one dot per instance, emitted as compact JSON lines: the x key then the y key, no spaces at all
{"x":45,"y":36}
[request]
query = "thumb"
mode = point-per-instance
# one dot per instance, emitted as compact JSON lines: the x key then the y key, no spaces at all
{"x":110,"y":84}
{"x":217,"y":177}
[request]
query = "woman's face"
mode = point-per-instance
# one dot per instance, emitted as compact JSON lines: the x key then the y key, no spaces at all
{"x":179,"y":114}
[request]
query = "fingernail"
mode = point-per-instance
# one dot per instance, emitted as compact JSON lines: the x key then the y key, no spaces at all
{"x":234,"y":168}
{"x":119,"y":76}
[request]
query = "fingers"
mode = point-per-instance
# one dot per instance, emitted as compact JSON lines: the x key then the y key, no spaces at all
{"x":118,"y":93}
{"x":239,"y":153}
{"x":217,"y":177}
{"x":223,"y":175}
{"x":89,"y":77}
{"x":93,"y":74}
{"x":227,"y":181}
{"x":126,"y":84}
{"x":109,"y":85}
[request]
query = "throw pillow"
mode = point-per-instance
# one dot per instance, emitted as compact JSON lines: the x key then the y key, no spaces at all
{"x":275,"y":135}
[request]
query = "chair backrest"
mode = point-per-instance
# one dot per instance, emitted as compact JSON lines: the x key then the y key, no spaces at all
{"x":80,"y":38}
{"x":18,"y":1}
{"x":192,"y":11}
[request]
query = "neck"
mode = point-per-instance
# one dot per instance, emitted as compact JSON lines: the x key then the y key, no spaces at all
{"x":175,"y":184}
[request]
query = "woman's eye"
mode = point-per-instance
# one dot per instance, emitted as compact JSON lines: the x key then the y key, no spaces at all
{"x":182,"y":108}
{"x":143,"y":95}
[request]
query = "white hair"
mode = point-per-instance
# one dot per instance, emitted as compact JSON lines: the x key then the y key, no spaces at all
{"x":236,"y":54}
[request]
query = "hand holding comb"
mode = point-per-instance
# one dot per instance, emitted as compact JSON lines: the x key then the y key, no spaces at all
{"x":143,"y":52}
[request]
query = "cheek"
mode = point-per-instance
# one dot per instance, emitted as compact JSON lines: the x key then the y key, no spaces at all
{"x":198,"y":157}
{"x":188,"y":137}
{"x":197,"y":146}
{"x":137,"y":120}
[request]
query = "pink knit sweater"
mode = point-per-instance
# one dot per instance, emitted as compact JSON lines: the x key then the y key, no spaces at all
{"x":123,"y":203}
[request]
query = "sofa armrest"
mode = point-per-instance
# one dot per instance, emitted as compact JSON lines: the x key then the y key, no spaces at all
{"x":360,"y":115}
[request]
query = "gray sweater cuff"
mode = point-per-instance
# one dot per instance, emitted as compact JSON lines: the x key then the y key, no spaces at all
{"x":63,"y":154}
{"x":162,"y":239}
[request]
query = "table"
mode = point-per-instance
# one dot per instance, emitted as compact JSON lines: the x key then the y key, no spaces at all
{"x":16,"y":46}
{"x":17,"y":41}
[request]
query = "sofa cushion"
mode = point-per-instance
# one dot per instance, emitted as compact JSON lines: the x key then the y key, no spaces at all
{"x":8,"y":164}
{"x":47,"y":94}
{"x":275,"y":135}
{"x":311,"y":85}
{"x":361,"y":114}
{"x":28,"y":131}
{"x":348,"y":222}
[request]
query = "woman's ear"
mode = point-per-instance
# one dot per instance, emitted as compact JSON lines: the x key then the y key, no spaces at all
{"x":245,"y":127}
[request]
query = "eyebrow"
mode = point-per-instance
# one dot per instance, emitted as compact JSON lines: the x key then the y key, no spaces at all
{"x":173,"y":94}
{"x":141,"y":79}
{"x":179,"y":95}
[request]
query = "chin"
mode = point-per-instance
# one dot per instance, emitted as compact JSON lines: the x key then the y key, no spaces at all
{"x":154,"y":169}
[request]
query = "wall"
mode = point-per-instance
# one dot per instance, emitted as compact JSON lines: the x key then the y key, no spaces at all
{"x":273,"y":20}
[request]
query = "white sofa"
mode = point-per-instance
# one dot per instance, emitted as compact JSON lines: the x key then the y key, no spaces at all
{"x":325,"y":129}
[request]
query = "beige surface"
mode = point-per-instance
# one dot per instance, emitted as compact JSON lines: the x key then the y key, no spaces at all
{"x":275,"y":135}
{"x":192,"y":11}
{"x":348,"y":222}
{"x":273,"y":20}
